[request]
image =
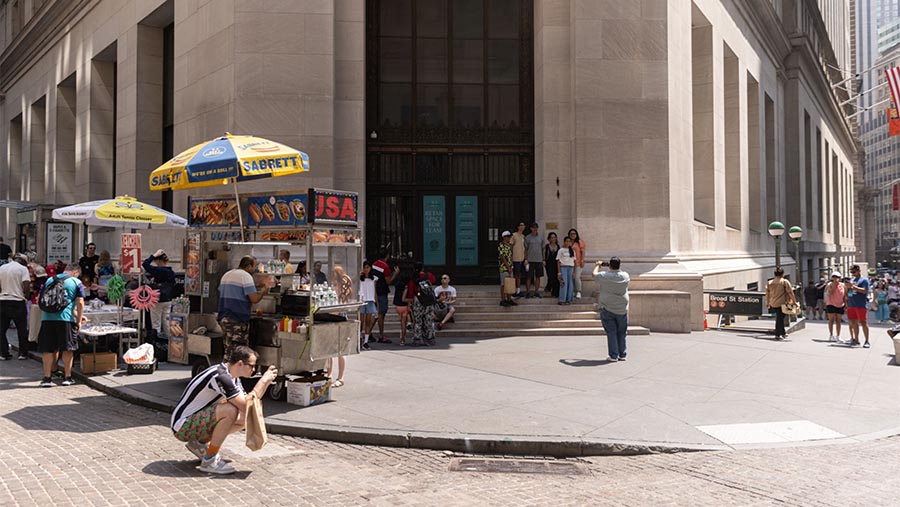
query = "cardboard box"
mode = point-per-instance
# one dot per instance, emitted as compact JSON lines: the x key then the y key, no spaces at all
{"x":304,"y":393}
{"x":105,"y":361}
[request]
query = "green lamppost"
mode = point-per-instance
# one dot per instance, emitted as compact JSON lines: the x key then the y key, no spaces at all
{"x":776,"y":229}
{"x":795,"y":233}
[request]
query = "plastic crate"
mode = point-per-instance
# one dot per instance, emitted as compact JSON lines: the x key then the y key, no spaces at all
{"x":142,"y":368}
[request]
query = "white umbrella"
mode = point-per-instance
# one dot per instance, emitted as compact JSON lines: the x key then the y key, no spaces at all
{"x":123,"y":211}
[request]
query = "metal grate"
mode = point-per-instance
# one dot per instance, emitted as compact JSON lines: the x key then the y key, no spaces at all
{"x":509,"y":466}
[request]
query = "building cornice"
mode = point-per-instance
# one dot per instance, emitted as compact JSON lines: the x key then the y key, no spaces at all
{"x":42,"y":31}
{"x":763,"y":20}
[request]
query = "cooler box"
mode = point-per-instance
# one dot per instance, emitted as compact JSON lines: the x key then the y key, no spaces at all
{"x":304,"y":393}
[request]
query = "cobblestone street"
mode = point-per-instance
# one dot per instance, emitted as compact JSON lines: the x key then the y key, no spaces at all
{"x":75,"y":446}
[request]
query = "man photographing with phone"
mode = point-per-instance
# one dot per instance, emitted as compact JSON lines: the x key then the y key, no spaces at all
{"x":214,"y":405}
{"x":613,"y":298}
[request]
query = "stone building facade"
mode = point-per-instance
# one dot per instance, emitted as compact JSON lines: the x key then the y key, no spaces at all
{"x":669,"y":133}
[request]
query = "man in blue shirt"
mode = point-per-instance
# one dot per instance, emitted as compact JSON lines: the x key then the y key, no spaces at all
{"x":857,"y":299}
{"x":59,"y":331}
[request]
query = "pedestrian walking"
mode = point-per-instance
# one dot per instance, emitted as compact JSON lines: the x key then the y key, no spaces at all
{"x":809,"y":297}
{"x":517,"y":242}
{"x":857,"y":300}
{"x":504,"y":259}
{"x":422,"y":306}
{"x":534,"y":262}
{"x":820,"y":298}
{"x":779,"y":291}
{"x":578,"y":247}
{"x":612,"y":285}
{"x":550,"y":250}
{"x":15,"y":289}
{"x":59,"y":330}
{"x":367,"y":296}
{"x":565,"y":263}
{"x":835,"y":300}
{"x":880,"y":299}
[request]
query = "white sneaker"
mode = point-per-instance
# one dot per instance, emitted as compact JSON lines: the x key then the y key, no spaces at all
{"x":577,"y":295}
{"x":197,"y":448}
{"x":834,"y":338}
{"x":215,"y":465}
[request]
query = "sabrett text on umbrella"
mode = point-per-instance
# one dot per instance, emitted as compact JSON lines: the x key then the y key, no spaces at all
{"x":165,"y":179}
{"x":268,"y":163}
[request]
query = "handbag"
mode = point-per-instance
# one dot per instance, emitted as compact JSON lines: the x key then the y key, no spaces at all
{"x":509,"y":285}
{"x":257,"y":437}
{"x":790,"y":309}
{"x":873,"y":306}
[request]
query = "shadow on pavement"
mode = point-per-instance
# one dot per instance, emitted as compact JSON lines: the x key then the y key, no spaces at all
{"x":580,"y":363}
{"x":61,"y":418}
{"x":187,"y":468}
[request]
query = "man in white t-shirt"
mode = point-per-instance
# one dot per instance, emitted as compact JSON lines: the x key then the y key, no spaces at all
{"x":446,"y":295}
{"x":15,"y":287}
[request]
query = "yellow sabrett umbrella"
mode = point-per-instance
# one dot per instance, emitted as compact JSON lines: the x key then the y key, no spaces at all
{"x":228,"y":158}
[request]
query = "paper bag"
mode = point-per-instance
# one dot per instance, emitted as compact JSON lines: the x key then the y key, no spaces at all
{"x":256,"y":424}
{"x":509,"y":285}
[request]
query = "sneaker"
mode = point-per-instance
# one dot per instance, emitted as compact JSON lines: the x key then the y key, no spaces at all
{"x":45,"y":382}
{"x":505,"y":303}
{"x":365,"y":346}
{"x":518,"y":295}
{"x":577,"y":295}
{"x":621,"y":358}
{"x":538,"y":295}
{"x":866,"y":345}
{"x":834,"y":338}
{"x":22,"y":357}
{"x":215,"y":465}
{"x":5,"y":358}
{"x":197,"y":448}
{"x":528,"y":296}
{"x":612,"y":359}
{"x":854,"y":343}
{"x":513,"y":303}
{"x":69,"y":381}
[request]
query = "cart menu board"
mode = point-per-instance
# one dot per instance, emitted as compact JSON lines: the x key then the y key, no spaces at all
{"x":277,"y":210}
{"x":333,"y":207}
{"x":213,"y":212}
{"x":192,"y":265}
{"x":59,"y":243}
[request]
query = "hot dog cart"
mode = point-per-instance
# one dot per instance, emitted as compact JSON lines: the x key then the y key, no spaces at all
{"x":304,"y":320}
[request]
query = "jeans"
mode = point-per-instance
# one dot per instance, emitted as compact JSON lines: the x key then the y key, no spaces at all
{"x":882,"y":313}
{"x":566,"y":291}
{"x":13,"y":311}
{"x":576,"y":277}
{"x":616,"y":327}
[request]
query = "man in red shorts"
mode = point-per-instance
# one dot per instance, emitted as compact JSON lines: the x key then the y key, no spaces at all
{"x":857,"y":299}
{"x":214,"y":406}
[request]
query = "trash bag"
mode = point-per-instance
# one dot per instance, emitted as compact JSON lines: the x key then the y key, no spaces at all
{"x":142,"y":354}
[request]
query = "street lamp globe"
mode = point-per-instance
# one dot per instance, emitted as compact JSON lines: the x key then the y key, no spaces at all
{"x":776,"y":229}
{"x":795,"y":233}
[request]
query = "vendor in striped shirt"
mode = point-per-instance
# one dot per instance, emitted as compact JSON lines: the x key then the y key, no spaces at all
{"x":213,"y":406}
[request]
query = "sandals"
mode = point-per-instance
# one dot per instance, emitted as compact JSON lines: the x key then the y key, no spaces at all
{"x":402,"y":342}
{"x":337,"y":383}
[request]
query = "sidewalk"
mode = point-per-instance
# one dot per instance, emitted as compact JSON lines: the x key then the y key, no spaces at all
{"x":556,"y":395}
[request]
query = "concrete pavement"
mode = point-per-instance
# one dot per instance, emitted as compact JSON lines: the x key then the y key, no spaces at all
{"x":556,"y":395}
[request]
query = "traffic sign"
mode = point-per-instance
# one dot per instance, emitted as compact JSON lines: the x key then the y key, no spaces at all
{"x":131,"y":253}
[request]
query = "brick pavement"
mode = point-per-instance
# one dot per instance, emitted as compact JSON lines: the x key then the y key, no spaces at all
{"x":75,"y":446}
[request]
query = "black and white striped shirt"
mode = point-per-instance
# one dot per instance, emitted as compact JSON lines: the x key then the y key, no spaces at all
{"x":213,"y":384}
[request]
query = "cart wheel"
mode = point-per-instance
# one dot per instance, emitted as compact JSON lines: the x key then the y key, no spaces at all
{"x":278,"y":391}
{"x":198,"y":366}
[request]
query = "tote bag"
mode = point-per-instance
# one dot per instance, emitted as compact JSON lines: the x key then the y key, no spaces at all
{"x":509,"y":285}
{"x":256,"y":424}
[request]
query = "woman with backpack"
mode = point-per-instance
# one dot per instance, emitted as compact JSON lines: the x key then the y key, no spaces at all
{"x":401,"y":302}
{"x":422,"y":305}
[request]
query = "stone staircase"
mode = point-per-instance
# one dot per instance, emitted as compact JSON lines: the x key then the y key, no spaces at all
{"x":479,"y":315}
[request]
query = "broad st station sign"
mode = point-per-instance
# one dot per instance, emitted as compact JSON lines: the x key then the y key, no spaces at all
{"x":729,"y":302}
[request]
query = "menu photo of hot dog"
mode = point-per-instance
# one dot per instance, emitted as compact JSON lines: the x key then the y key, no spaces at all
{"x":277,"y":210}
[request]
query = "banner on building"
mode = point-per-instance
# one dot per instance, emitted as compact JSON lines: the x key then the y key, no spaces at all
{"x":893,"y":80}
{"x":893,"y":121}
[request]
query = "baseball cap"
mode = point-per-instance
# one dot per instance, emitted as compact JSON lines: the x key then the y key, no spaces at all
{"x":854,"y":267}
{"x":835,"y":274}
{"x":534,"y":224}
{"x":505,"y":234}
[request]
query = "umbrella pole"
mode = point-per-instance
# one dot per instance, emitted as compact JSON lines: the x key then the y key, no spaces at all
{"x":237,"y":201}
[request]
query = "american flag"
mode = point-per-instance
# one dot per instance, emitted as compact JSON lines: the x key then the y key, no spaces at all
{"x":893,"y":79}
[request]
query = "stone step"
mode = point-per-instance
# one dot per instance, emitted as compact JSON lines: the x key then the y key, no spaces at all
{"x":512,"y":324}
{"x":522,"y":315}
{"x":452,"y":333}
